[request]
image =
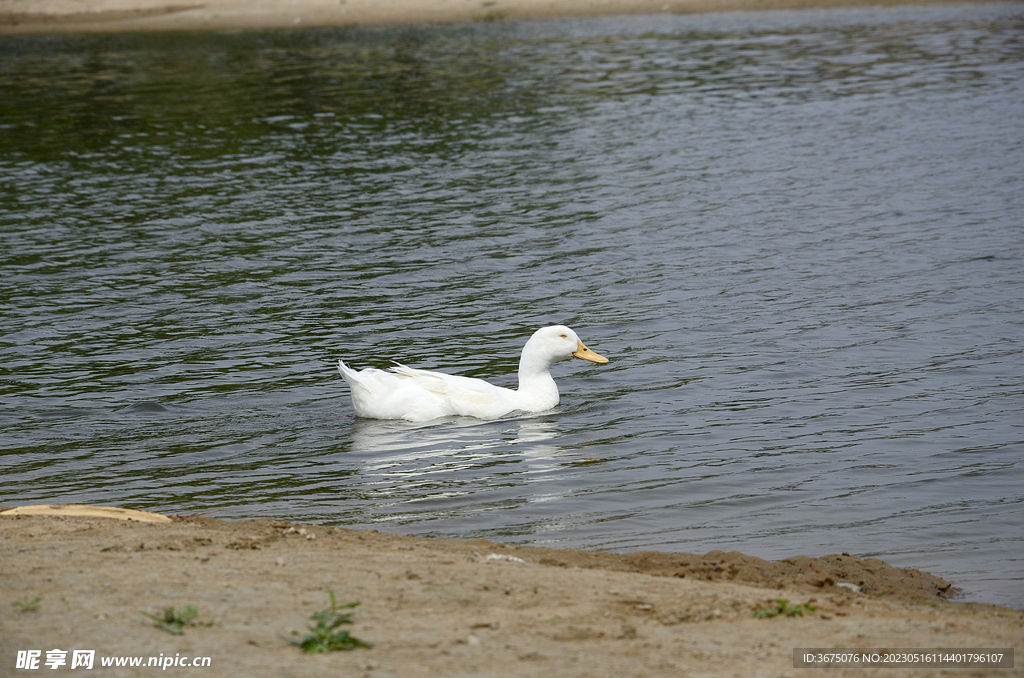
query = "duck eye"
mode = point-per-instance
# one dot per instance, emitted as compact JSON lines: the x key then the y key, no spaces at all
{"x":564,"y":336}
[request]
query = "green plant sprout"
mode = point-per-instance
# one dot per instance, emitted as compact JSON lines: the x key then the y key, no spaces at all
{"x":782,"y":607}
{"x":174,"y":622}
{"x":28,"y":605}
{"x":324,"y":636}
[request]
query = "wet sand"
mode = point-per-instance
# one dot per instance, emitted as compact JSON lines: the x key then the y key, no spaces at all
{"x":444,"y":607}
{"x":42,"y":16}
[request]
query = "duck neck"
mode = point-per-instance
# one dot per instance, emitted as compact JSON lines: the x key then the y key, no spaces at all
{"x":536,"y":385}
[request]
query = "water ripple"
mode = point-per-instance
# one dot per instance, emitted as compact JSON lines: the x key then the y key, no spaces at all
{"x":796,"y":235}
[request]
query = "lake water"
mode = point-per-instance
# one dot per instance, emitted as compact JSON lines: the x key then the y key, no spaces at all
{"x":798,"y":236}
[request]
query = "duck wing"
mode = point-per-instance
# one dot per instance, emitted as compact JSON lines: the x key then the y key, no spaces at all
{"x":384,"y":395}
{"x":472,"y":397}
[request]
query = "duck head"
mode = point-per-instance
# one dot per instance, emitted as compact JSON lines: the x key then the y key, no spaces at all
{"x":558,"y":342}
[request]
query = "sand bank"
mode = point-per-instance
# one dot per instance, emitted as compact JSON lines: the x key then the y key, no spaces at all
{"x":443,"y":607}
{"x":41,"y":16}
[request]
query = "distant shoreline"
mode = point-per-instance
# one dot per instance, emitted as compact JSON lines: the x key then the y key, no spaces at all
{"x":96,"y":16}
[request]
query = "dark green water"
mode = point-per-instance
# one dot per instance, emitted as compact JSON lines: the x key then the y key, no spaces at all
{"x":799,"y":236}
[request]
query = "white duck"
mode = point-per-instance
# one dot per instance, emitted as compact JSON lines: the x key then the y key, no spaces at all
{"x":421,"y":395}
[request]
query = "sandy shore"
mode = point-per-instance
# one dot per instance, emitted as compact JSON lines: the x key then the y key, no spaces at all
{"x":41,"y":16}
{"x":437,"y":607}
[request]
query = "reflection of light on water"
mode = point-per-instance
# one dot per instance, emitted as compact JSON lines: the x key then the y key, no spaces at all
{"x":531,"y":431}
{"x":538,"y":457}
{"x":421,"y":463}
{"x":394,"y":443}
